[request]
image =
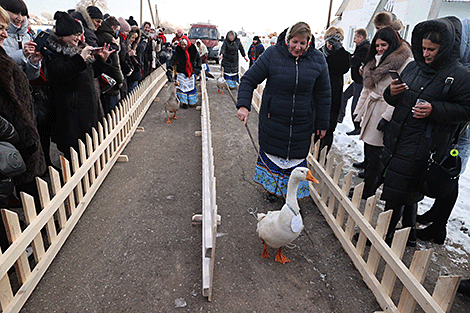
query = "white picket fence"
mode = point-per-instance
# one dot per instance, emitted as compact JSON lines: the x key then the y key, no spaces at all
{"x":209,"y":217}
{"x":59,"y":214}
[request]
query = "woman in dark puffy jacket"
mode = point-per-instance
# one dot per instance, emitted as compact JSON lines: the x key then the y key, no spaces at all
{"x":430,"y":107}
{"x":296,"y":102}
{"x":229,"y":56}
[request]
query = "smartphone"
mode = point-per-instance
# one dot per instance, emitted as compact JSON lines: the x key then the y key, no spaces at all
{"x":395,"y":75}
{"x":41,"y":39}
{"x":96,"y":50}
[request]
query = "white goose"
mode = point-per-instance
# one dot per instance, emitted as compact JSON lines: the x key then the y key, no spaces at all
{"x":172,"y":104}
{"x":278,"y":228}
{"x":221,"y":82}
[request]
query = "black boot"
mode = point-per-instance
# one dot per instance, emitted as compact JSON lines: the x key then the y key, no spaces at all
{"x":427,"y":217}
{"x":409,"y":220}
{"x":396,"y":216}
{"x":432,"y":233}
{"x":464,"y":287}
{"x":360,"y":164}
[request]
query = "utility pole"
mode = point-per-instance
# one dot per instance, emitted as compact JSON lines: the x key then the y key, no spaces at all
{"x":141,"y":8}
{"x":329,"y":14}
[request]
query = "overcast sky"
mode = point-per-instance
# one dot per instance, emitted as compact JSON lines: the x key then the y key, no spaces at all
{"x":252,"y":15}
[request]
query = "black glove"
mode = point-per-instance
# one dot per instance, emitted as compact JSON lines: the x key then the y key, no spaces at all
{"x":383,"y":125}
{"x":335,"y":42}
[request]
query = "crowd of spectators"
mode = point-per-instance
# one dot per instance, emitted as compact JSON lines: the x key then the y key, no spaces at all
{"x":57,"y":84}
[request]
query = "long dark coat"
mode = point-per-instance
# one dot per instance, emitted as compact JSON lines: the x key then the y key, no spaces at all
{"x":73,"y":94}
{"x":179,"y":57}
{"x":296,"y":100}
{"x":106,"y":35}
{"x":230,"y":50}
{"x":338,"y":65}
{"x":409,"y":141}
{"x":16,"y":106}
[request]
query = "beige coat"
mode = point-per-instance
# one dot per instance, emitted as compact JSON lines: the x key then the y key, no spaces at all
{"x":371,"y":107}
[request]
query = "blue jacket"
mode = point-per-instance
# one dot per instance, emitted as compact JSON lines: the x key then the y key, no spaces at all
{"x":296,"y":99}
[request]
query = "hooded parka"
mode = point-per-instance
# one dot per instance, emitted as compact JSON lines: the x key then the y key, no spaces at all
{"x":296,"y":99}
{"x":409,"y":141}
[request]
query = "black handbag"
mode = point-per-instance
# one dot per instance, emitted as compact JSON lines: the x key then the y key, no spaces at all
{"x":41,"y":103}
{"x":11,"y":162}
{"x":440,"y":178}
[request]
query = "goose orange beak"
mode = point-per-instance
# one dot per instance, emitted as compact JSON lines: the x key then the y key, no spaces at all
{"x":311,"y":178}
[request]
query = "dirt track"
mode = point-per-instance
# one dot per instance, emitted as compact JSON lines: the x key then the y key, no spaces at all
{"x":134,"y":249}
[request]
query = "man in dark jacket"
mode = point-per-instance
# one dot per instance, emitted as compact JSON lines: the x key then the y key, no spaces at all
{"x":354,"y":90}
{"x":107,"y":34}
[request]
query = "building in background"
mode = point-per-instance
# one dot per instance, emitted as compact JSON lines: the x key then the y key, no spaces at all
{"x":354,"y":14}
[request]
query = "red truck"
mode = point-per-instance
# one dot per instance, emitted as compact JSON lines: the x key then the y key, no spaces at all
{"x":209,"y":35}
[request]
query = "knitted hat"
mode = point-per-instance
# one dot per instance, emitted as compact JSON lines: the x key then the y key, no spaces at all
{"x":66,"y":25}
{"x":125,"y":27}
{"x":256,"y":38}
{"x":14,"y":6}
{"x":94,"y":12}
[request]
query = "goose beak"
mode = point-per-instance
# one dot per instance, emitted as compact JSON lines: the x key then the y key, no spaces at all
{"x":311,"y":178}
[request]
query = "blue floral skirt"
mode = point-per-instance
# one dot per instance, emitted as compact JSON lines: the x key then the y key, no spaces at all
{"x":231,"y":79}
{"x":189,"y":97}
{"x":281,"y":175}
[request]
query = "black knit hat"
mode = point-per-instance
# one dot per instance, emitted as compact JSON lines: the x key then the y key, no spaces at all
{"x":14,"y":6}
{"x":95,"y":13}
{"x":256,"y":38}
{"x":66,"y":25}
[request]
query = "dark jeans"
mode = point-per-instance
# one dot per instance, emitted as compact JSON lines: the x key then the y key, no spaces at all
{"x":372,"y":155}
{"x":353,"y":90}
{"x":441,"y":209}
{"x":328,"y":139}
{"x":6,"y":189}
{"x":109,"y":102}
{"x":408,"y":212}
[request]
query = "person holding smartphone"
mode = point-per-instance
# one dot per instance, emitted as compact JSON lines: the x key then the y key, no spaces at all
{"x":431,"y":105}
{"x":386,"y":53}
{"x":19,"y":45}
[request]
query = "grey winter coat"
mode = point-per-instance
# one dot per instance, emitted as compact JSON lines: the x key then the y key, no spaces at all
{"x":17,"y":36}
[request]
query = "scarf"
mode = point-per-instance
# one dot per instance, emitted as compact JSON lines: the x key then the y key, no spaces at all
{"x":189,"y":66}
{"x":289,"y":30}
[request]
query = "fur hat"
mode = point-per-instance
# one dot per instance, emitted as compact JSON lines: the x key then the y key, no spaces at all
{"x":125,"y":27}
{"x":66,"y":25}
{"x":95,"y":13}
{"x":388,"y":19}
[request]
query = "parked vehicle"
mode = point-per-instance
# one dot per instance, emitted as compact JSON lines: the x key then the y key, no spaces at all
{"x":209,"y":34}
